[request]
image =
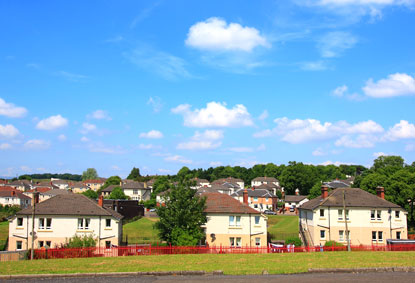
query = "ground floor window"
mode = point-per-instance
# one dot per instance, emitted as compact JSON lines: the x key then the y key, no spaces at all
{"x":377,"y":236}
{"x":107,"y":244}
{"x":257,"y":241}
{"x":40,"y":244}
{"x":48,"y":244}
{"x":19,"y":245}
{"x":398,"y":235}
{"x":322,"y":234}
{"x":235,"y":241}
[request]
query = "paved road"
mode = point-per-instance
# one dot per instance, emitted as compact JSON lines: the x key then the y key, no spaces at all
{"x":400,"y":277}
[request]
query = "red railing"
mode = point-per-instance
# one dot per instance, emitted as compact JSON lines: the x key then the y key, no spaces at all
{"x":168,"y":250}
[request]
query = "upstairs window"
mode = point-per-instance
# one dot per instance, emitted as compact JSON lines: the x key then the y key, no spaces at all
{"x":108,"y":223}
{"x":256,"y":220}
{"x":231,"y":221}
{"x":238,"y":221}
{"x":84,"y":223}
{"x":20,"y":222}
{"x":321,"y":212}
{"x":379,"y":215}
{"x":397,"y":214}
{"x":41,"y":223}
{"x":49,"y":223}
{"x":372,"y":214}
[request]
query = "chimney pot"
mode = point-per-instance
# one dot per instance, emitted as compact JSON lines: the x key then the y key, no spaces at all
{"x":245,"y":196}
{"x":324,"y":191}
{"x":380,"y":191}
{"x":101,"y":201}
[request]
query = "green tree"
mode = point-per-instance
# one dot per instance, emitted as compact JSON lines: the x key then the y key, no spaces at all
{"x":182,"y":216}
{"x":134,"y":174}
{"x":161,"y":184}
{"x":117,"y":193}
{"x":91,"y":194}
{"x":113,"y":180}
{"x":387,"y":165}
{"x":315,"y":191}
{"x":89,"y":174}
{"x":297,"y":175}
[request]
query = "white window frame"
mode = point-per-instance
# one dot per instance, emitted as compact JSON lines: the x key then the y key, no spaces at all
{"x":17,"y":245}
{"x":232,"y":241}
{"x":340,"y":214}
{"x":106,"y":223}
{"x":373,"y":215}
{"x":87,"y":223}
{"x":42,"y":223}
{"x":231,"y":220}
{"x":257,"y":241}
{"x":257,"y":219}
{"x":238,"y":242}
{"x":48,"y":227}
{"x":375,"y":234}
{"x":341,"y":236}
{"x":380,"y":236}
{"x":17,"y":224}
{"x":379,"y":214}
{"x":398,"y":233}
{"x":322,"y":211}
{"x":238,"y":220}
{"x":80,"y":223}
{"x":322,"y":234}
{"x":397,"y":214}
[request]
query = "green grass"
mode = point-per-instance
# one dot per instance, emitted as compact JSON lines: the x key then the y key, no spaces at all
{"x":4,"y":233}
{"x":229,"y":263}
{"x":141,"y":231}
{"x":281,"y":227}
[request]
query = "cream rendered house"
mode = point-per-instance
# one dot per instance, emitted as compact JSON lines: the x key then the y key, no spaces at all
{"x":258,"y":181}
{"x":136,"y":190}
{"x":60,"y":218}
{"x":371,"y":220}
{"x":231,"y":223}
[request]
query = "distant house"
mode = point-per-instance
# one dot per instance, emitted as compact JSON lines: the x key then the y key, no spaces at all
{"x":21,"y":185}
{"x":61,"y":184}
{"x":335,"y":184}
{"x":231,"y":223}
{"x":94,"y":185}
{"x":45,"y":194}
{"x":200,"y":183}
{"x":137,"y":190}
{"x":371,"y":219}
{"x":78,"y":187}
{"x":259,"y":199}
{"x":62,"y":217}
{"x":230,"y":180}
{"x":108,"y":190}
{"x":295,"y":201}
{"x":45,"y":185}
{"x":14,"y":198}
{"x":258,"y":181}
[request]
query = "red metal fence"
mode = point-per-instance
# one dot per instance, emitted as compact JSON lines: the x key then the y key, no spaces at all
{"x":168,"y":250}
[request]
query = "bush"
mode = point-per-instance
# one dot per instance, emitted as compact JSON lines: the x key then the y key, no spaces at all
{"x":81,"y":242}
{"x":293,"y":240}
{"x":333,"y":243}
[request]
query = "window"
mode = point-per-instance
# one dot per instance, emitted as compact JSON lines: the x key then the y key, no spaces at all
{"x":398,"y":235}
{"x":266,"y":199}
{"x":48,"y":223}
{"x":380,"y":236}
{"x":231,"y":220}
{"x":340,"y":214}
{"x":341,"y":236}
{"x":322,"y":234}
{"x":372,"y":215}
{"x":83,"y":223}
{"x":107,"y":223}
{"x":232,"y":241}
{"x":397,"y":215}
{"x":238,"y":242}
{"x":135,"y":192}
{"x":321,"y":212}
{"x":18,"y":245}
{"x":20,"y":222}
{"x":379,"y":215}
{"x":87,"y":222}
{"x":255,"y":198}
{"x":238,"y":221}
{"x":255,"y":205}
{"x":48,"y":244}
{"x":40,"y":244}
{"x":80,"y":223}
{"x":256,"y":220}
{"x":257,"y":241}
{"x":41,"y":223}
{"x":374,"y":236}
{"x":107,"y":244}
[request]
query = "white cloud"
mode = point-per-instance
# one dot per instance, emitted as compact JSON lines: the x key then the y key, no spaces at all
{"x":62,"y":137}
{"x":361,"y":141}
{"x":8,"y":131}
{"x":263,"y":134}
{"x":52,"y":123}
{"x":215,"y":34}
{"x":148,"y":146}
{"x":177,"y":159}
{"x":314,"y":66}
{"x":215,"y":114}
{"x":402,"y":130}
{"x":340,"y":91}
{"x":264,"y":115}
{"x":336,"y":163}
{"x":377,"y":154}
{"x":332,"y":44}
{"x":164,"y":171}
{"x":156,"y":103}
{"x":153,"y":134}
{"x":203,"y":141}
{"x":215,"y":163}
{"x":37,"y":144}
{"x":10,"y":110}
{"x":100,"y":115}
{"x":5,"y":146}
{"x":243,"y":149}
{"x":398,"y":84}
{"x":116,"y":168}
{"x":84,"y":139}
{"x":365,"y":2}
{"x":87,"y":128}
{"x":319,"y":152}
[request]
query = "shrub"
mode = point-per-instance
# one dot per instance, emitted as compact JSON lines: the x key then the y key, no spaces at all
{"x":332,"y":243}
{"x":81,"y":242}
{"x":293,"y":240}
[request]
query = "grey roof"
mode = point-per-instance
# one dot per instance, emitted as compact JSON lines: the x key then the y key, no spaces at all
{"x":221,"y":203}
{"x":14,"y":194}
{"x":269,"y":187}
{"x":56,"y":192}
{"x":110,"y":188}
{"x":229,"y":180}
{"x":337,"y":184}
{"x":70,"y":204}
{"x":134,"y":185}
{"x":355,"y":197}
{"x":24,"y":183}
{"x":294,"y":198}
{"x":60,"y":182}
{"x":255,"y":193}
{"x":265,"y":179}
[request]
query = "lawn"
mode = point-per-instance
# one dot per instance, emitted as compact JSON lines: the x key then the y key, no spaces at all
{"x":141,"y":231}
{"x":4,"y":233}
{"x":229,"y":263}
{"x":282,"y":226}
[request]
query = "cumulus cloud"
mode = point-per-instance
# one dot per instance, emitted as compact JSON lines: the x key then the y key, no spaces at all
{"x":8,"y":131}
{"x":84,"y":139}
{"x":340,"y":91}
{"x":319,"y":152}
{"x":37,"y":144}
{"x":153,"y":134}
{"x":5,"y":146}
{"x":177,"y":159}
{"x":87,"y":128}
{"x":208,"y":139}
{"x":402,"y":130}
{"x":10,"y":110}
{"x":333,"y":44}
{"x":264,"y":115}
{"x":398,"y":84}
{"x":100,"y":115}
{"x":361,"y":141}
{"x":215,"y":114}
{"x":216,"y":34}
{"x":52,"y":123}
{"x":62,"y":137}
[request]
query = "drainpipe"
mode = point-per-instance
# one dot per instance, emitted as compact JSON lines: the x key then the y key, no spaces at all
{"x":329,"y":226}
{"x":250,"y":240}
{"x":99,"y":235}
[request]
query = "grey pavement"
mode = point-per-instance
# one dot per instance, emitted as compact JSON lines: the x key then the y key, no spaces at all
{"x":379,"y":277}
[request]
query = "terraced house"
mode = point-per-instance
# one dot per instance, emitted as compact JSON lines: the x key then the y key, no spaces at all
{"x":62,"y":217}
{"x":370,"y":219}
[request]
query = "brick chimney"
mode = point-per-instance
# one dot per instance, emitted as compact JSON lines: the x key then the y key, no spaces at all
{"x":35,"y":198}
{"x":13,"y":193}
{"x":380,"y":191}
{"x":101,"y":201}
{"x":324,"y":191}
{"x":245,"y":196}
{"x":297,"y":192}
{"x":253,"y":188}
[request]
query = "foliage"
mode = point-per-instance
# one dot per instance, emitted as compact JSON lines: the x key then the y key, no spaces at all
{"x":333,"y":243}
{"x":151,"y":203}
{"x":117,"y":193}
{"x":65,"y":176}
{"x":315,"y":191}
{"x":25,"y":177}
{"x":182,"y":216}
{"x":7,"y":211}
{"x":113,"y":180}
{"x":161,"y":184}
{"x":278,"y":194}
{"x":89,"y":174}
{"x":293,"y":240}
{"x":91,"y":194}
{"x":81,"y":242}
{"x":134,"y":174}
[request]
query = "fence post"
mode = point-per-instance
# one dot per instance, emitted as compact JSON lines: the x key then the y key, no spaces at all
{"x":150,"y":249}
{"x":332,"y":246}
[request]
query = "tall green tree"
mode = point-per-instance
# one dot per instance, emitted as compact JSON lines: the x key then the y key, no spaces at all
{"x":182,"y":216}
{"x":117,"y":193}
{"x":89,"y":174}
{"x":91,"y":194}
{"x":113,"y":180}
{"x":134,"y":174}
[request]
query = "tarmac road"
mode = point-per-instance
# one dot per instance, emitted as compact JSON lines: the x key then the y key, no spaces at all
{"x":378,"y":277}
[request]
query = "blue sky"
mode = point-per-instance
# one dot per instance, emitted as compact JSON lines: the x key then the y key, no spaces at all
{"x":163,"y":84}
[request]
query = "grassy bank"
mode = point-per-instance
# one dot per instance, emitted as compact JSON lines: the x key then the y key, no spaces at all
{"x":281,"y":227}
{"x":141,"y":231}
{"x":4,"y":233}
{"x":230,"y":264}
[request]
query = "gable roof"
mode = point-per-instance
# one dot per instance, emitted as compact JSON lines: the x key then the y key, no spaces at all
{"x":294,"y":198}
{"x":96,"y":181}
{"x":265,"y":179}
{"x":134,"y":185}
{"x":39,"y":189}
{"x":337,"y":184}
{"x":110,"y":188}
{"x":8,"y":189}
{"x":221,"y":203}
{"x":254,"y":193}
{"x":355,"y":197}
{"x":14,"y":194}
{"x":55,"y":192}
{"x":228,"y":179}
{"x":70,"y":204}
